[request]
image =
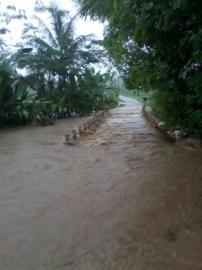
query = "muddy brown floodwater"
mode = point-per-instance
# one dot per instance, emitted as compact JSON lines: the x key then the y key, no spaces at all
{"x":120,"y":199}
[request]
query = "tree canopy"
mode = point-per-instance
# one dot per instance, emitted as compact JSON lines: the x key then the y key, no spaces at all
{"x":158,"y":44}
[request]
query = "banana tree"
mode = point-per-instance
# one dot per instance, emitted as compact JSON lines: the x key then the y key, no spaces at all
{"x":16,"y":100}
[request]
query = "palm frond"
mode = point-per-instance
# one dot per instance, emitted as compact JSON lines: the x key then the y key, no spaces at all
{"x":44,"y":30}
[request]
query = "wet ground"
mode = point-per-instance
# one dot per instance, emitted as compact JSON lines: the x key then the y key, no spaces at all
{"x":123,"y":198}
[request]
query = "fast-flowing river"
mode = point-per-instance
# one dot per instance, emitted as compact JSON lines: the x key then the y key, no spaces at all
{"x":121,"y":199}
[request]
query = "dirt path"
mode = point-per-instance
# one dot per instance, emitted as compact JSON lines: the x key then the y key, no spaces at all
{"x":123,"y":198}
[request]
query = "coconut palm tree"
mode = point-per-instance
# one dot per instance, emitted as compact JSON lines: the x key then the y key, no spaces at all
{"x":58,"y":59}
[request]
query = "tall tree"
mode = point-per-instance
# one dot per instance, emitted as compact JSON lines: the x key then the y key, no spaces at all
{"x":158,"y":43}
{"x":58,"y":63}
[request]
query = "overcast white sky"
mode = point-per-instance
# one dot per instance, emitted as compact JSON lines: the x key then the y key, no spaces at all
{"x":82,"y":27}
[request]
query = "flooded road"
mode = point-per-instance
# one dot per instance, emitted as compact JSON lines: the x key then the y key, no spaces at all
{"x":122,"y":198}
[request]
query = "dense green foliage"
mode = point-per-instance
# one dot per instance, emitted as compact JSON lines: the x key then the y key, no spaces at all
{"x":60,"y":76}
{"x":15,"y":102}
{"x":158,"y":44}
